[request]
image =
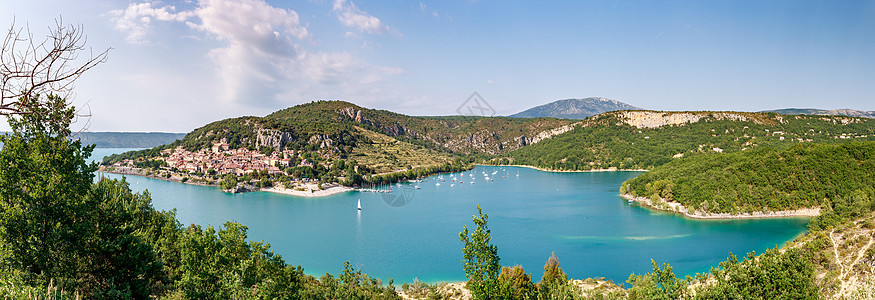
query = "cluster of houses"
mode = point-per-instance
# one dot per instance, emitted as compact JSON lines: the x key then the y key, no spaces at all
{"x":223,"y":160}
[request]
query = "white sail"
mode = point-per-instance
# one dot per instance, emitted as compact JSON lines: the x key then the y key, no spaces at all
{"x":360,"y":204}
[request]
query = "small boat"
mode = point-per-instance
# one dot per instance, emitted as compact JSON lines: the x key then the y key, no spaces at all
{"x":417,"y":187}
{"x":453,"y":184}
{"x":437,"y":184}
{"x":630,"y":201}
{"x":360,"y":204}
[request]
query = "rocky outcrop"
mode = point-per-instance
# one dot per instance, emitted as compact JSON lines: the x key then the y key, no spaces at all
{"x":356,"y":115}
{"x":482,"y":141}
{"x":654,"y":119}
{"x":552,"y":132}
{"x":394,"y":130}
{"x":322,"y":140}
{"x":272,"y":138}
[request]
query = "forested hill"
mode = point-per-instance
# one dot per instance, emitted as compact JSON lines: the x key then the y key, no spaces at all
{"x":646,"y":139}
{"x":331,"y":124}
{"x":378,"y":139}
{"x":837,"y":177}
{"x":574,"y":108}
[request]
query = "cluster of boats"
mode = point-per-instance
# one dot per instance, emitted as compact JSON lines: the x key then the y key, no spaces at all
{"x":470,"y":175}
{"x":453,"y":180}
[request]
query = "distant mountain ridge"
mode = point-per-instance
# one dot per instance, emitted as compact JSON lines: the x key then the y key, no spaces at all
{"x":129,"y":139}
{"x":574,"y":108}
{"x":817,"y":111}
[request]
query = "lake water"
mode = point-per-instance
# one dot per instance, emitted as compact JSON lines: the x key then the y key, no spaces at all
{"x":579,"y":216}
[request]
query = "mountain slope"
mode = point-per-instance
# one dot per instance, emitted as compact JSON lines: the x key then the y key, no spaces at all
{"x":645,"y":139}
{"x":833,"y":112}
{"x":574,"y":108}
{"x":382,"y":141}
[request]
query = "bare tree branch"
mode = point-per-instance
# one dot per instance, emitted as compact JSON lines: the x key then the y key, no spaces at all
{"x":29,"y":68}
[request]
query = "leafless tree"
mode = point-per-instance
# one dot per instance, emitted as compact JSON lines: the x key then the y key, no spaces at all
{"x":29,"y":68}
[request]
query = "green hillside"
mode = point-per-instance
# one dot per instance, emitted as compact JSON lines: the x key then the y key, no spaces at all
{"x":646,"y":139}
{"x":332,"y":136}
{"x":833,"y":176}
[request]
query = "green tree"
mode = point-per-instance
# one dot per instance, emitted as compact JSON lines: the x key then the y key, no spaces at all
{"x":229,"y":182}
{"x":554,"y":279}
{"x":481,"y":258}
{"x":119,"y":261}
{"x":223,"y":265}
{"x":659,"y":284}
{"x":772,"y":275}
{"x":516,"y":283}
{"x":43,"y":184}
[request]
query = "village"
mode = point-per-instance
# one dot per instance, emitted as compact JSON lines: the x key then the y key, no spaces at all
{"x":221,"y":160}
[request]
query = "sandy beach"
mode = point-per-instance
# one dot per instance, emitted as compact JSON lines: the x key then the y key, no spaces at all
{"x":678,"y":208}
{"x":310,"y":191}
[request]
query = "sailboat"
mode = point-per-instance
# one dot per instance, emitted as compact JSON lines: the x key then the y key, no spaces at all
{"x":360,"y":204}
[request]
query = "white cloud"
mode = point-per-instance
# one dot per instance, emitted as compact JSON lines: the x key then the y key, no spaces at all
{"x":352,"y":16}
{"x":135,"y":20}
{"x":259,"y":61}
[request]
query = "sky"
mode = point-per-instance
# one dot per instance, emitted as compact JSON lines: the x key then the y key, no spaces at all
{"x":177,"y":65}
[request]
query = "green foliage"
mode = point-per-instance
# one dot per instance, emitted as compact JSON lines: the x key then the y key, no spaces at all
{"x":351,"y":284}
{"x":554,"y":279}
{"x":229,"y":182}
{"x":63,"y":235}
{"x":773,"y":275}
{"x":659,"y":284}
{"x":455,"y":166}
{"x":606,"y":141}
{"x":839,"y":178}
{"x":481,"y":258}
{"x":43,"y":184}
{"x":516,"y":283}
{"x":120,"y":259}
{"x":60,"y":229}
{"x":223,"y":264}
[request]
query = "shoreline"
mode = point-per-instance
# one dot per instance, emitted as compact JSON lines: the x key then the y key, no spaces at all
{"x":337,"y":189}
{"x":567,"y":171}
{"x":676,"y":207}
{"x":308,"y":193}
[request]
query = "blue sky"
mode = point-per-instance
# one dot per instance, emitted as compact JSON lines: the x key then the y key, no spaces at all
{"x":177,"y":65}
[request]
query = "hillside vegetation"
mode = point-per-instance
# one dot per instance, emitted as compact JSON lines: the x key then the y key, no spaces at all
{"x":835,"y":177}
{"x":646,"y":139}
{"x":329,"y":140}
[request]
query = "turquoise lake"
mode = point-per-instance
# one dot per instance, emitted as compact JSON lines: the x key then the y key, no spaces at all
{"x":579,"y":216}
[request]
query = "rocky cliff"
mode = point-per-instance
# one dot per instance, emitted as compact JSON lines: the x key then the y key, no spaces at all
{"x":465,"y":135}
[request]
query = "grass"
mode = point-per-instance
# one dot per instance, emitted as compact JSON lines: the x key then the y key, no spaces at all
{"x":387,"y":154}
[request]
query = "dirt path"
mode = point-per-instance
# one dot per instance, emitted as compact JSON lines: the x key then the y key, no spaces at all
{"x":846,"y":283}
